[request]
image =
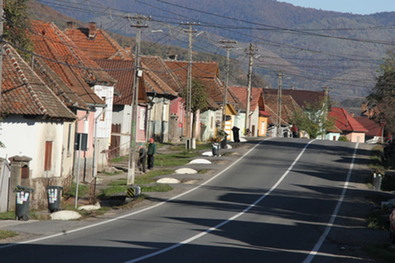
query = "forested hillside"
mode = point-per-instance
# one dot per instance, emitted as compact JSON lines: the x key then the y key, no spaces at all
{"x":313,"y":48}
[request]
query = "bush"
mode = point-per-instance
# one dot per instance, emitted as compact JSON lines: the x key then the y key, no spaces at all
{"x":343,"y":139}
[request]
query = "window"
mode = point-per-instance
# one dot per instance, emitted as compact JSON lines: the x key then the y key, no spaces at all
{"x":48,"y":156}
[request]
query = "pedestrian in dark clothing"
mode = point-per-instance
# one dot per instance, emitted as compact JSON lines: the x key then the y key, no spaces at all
{"x":142,"y":158}
{"x":151,"y":151}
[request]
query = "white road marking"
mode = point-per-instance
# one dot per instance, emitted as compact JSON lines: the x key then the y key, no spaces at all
{"x":135,"y":212}
{"x":318,"y":245}
{"x":193,"y":238}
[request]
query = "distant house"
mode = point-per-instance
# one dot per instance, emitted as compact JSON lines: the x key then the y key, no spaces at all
{"x":162,"y":89}
{"x":375,"y":131}
{"x":96,"y":42}
{"x":123,"y":72}
{"x":348,"y":125}
{"x":303,"y":98}
{"x":283,"y":119}
{"x":94,"y":87}
{"x":208,"y":74}
{"x":160,"y":83}
{"x":35,"y":129}
{"x":259,"y":117}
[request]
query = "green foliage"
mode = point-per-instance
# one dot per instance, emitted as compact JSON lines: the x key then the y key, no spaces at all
{"x":199,"y":95}
{"x":383,"y":94}
{"x":376,"y":220}
{"x":343,"y":139}
{"x":10,"y":215}
{"x":83,"y":190}
{"x":17,"y":25}
{"x":6,"y":234}
{"x":313,"y":119}
{"x":376,"y":159}
{"x":156,"y":188}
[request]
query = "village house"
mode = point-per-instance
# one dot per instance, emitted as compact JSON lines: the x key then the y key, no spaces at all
{"x":304,"y":99}
{"x":159,"y":84}
{"x":35,"y":131}
{"x":348,"y":125}
{"x":259,"y":117}
{"x":93,"y":86}
{"x":210,"y":120}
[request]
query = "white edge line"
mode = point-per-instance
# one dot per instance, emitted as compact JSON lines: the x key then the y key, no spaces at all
{"x":203,"y":233}
{"x":138,"y":211}
{"x":319,"y":243}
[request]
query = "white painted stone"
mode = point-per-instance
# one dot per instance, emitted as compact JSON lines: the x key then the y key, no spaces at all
{"x":209,"y":154}
{"x":186,"y":171}
{"x":65,"y":215}
{"x":89,"y":207}
{"x":228,"y":146}
{"x":200,"y":161}
{"x":242,"y":139}
{"x":168,"y":180}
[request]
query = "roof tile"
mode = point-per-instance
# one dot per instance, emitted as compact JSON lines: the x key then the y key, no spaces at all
{"x":23,"y":92}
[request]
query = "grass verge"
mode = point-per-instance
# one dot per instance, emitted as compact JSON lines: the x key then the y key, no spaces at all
{"x":7,"y":234}
{"x":146,"y":181}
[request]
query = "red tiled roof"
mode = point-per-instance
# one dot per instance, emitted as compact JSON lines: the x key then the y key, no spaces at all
{"x":241,"y":93}
{"x":289,"y":107}
{"x":23,"y":92}
{"x":302,"y":97}
{"x":157,"y":66}
{"x":344,"y":121}
{"x":372,"y":127}
{"x":207,"y":74}
{"x":123,"y":72}
{"x":53,"y":81}
{"x":264,"y":113}
{"x":67,"y":61}
{"x":100,"y":46}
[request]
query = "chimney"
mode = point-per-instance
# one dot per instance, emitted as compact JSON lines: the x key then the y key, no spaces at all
{"x":71,"y":24}
{"x":92,"y":30}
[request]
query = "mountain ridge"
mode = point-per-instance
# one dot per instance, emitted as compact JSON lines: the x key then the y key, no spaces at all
{"x":314,"y":48}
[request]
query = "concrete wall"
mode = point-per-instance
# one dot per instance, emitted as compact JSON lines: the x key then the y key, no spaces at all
{"x":27,"y":137}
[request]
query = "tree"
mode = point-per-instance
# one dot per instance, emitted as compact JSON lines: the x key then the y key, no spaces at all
{"x":17,"y":25}
{"x":382,"y":97}
{"x":199,"y":97}
{"x":313,"y":119}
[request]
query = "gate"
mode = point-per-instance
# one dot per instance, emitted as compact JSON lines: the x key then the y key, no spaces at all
{"x":115,"y":141}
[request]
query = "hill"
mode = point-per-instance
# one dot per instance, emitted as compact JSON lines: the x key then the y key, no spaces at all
{"x":313,"y":48}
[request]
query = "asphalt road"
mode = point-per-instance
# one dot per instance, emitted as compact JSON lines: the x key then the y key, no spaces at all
{"x":277,"y":204}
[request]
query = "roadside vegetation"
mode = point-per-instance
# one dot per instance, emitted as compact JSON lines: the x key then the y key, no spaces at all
{"x":7,"y":234}
{"x":378,"y":217}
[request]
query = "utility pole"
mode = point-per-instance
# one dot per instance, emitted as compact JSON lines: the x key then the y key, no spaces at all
{"x":135,"y":99}
{"x":251,"y":52}
{"x":279,"y":102}
{"x":228,"y":45}
{"x":188,"y":101}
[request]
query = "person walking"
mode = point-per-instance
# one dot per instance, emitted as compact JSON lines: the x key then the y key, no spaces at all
{"x":151,"y":151}
{"x":142,"y":158}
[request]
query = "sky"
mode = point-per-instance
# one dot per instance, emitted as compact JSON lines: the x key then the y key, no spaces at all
{"x":362,"y":7}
